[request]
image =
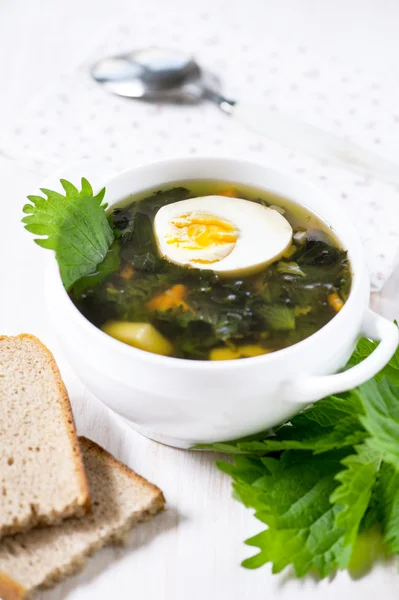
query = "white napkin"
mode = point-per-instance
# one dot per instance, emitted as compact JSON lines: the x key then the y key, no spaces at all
{"x":76,"y":118}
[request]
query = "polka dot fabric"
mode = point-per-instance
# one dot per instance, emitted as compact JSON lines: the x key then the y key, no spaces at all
{"x":76,"y":118}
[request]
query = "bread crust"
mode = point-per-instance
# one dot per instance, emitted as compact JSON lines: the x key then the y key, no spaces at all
{"x":10,"y":589}
{"x":83,"y":504}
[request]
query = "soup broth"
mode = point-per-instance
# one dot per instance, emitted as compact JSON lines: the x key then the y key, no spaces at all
{"x":149,"y":302}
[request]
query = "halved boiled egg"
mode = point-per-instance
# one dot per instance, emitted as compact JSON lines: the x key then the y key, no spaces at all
{"x":229,"y":235}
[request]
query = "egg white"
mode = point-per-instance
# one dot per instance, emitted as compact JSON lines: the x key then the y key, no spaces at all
{"x":263,"y":235}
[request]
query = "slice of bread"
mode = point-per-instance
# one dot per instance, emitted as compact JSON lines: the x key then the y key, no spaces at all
{"x":42,"y":478}
{"x":41,"y":557}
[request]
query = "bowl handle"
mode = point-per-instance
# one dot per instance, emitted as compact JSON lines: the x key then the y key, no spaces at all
{"x":377,"y":328}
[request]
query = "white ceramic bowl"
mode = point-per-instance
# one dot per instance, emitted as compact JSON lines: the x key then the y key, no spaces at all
{"x":182,"y":402}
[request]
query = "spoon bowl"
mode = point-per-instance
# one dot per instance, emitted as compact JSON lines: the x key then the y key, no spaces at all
{"x":151,"y":74}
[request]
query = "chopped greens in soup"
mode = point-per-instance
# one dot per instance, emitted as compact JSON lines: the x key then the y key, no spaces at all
{"x":214,"y":284}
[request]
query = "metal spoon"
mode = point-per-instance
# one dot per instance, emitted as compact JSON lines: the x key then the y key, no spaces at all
{"x":172,"y":76}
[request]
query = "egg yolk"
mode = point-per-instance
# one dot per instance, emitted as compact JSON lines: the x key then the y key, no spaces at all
{"x":199,"y":231}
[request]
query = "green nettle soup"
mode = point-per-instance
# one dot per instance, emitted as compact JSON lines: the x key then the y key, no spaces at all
{"x":215,"y":279}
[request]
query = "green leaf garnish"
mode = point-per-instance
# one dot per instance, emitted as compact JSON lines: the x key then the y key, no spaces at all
{"x":278,"y":317}
{"x":290,"y":268}
{"x":364,"y":348}
{"x":381,"y":421}
{"x":357,"y":481}
{"x":74,"y":225}
{"x":387,"y":492}
{"x":110,"y":264}
{"x":291,"y":496}
{"x":326,"y":484}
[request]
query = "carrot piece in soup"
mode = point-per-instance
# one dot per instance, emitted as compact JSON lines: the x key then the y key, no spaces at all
{"x":229,"y":192}
{"x":335,"y":302}
{"x":127,"y":272}
{"x":172,"y":298}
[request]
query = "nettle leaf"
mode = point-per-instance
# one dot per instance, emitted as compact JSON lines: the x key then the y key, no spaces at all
{"x":291,"y":496}
{"x":340,"y":436}
{"x":320,"y":253}
{"x":353,"y":494}
{"x":381,"y":419}
{"x":329,"y":424}
{"x":278,"y":317}
{"x":364,"y":348}
{"x":368,"y":548}
{"x":109,"y":265}
{"x":330,"y":411}
{"x":387,"y":494}
{"x":75,"y":226}
{"x":326,"y":484}
{"x":289,"y":268}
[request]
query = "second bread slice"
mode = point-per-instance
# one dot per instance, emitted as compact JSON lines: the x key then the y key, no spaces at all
{"x":42,"y":479}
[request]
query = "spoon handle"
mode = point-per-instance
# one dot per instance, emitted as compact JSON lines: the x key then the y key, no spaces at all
{"x":311,"y":140}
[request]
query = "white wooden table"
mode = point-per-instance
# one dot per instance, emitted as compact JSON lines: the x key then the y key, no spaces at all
{"x":195,"y":548}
